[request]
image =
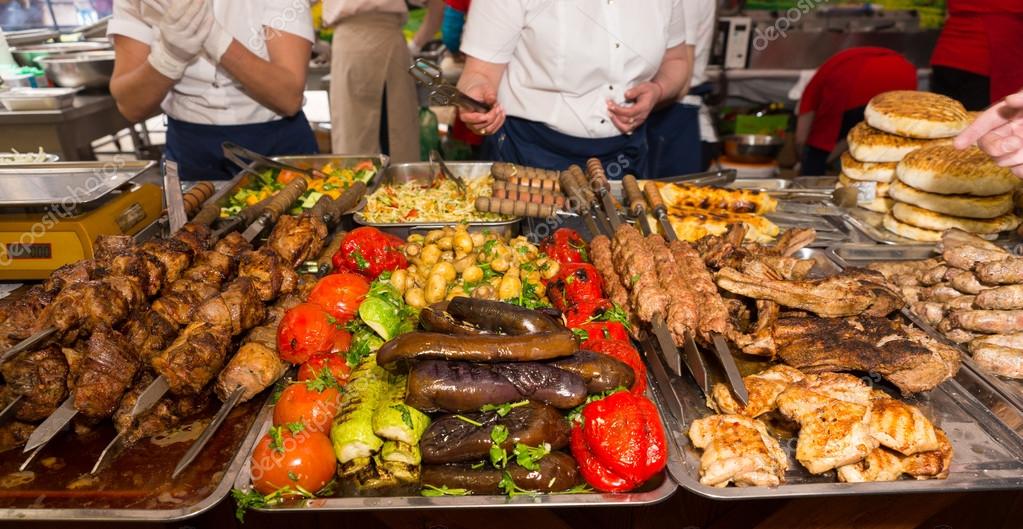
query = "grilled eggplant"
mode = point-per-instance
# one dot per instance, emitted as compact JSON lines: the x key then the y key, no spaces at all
{"x":600,"y":372}
{"x":435,"y":385}
{"x":483,"y":348}
{"x":501,"y":318}
{"x":453,"y":440}
{"x":557,"y":472}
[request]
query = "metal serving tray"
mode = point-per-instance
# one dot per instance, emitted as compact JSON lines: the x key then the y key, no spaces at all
{"x":423,"y":172}
{"x":656,"y":490}
{"x":55,"y":183}
{"x":983,"y":427}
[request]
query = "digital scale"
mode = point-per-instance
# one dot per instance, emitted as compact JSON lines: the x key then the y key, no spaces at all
{"x":51,"y":214}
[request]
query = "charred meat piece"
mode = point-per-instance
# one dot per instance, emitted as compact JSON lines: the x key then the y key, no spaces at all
{"x":851,"y":293}
{"x":107,"y":247}
{"x":41,"y":378}
{"x":460,"y":386}
{"x":600,"y":372}
{"x":297,"y":239}
{"x":76,"y":272}
{"x":763,"y":387}
{"x":150,"y":333}
{"x":174,"y":254}
{"x":237,"y":308}
{"x":792,"y":240}
{"x":905,"y":356}
{"x":24,"y":313}
{"x":106,"y":372}
{"x":453,"y":440}
{"x":92,"y":304}
{"x":269,"y":273}
{"x":254,"y":367}
{"x":166,"y":414}
{"x":185,"y":296}
{"x":14,"y":434}
{"x":737,"y":449}
{"x":147,"y":269}
{"x":557,"y":472}
{"x":194,"y":358}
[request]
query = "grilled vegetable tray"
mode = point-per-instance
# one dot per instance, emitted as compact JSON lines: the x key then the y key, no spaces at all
{"x":982,"y":424}
{"x":657,"y":489}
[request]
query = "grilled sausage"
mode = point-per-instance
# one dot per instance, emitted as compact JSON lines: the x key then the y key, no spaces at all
{"x":557,"y":472}
{"x":461,"y":386}
{"x":484,"y":348}
{"x":988,"y":321}
{"x":600,"y":372}
{"x":499,"y":317}
{"x":450,"y":439}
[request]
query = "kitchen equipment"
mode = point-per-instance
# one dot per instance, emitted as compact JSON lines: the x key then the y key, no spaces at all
{"x":91,"y":69}
{"x":50,"y":214}
{"x":21,"y":98}
{"x":752,"y":148}
{"x":443,"y":93}
{"x":30,"y":37}
{"x":21,"y":158}
{"x":731,"y":46}
{"x":30,"y":55}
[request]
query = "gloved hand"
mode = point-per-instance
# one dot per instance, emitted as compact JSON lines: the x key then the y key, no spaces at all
{"x":183,"y":29}
{"x":217,"y":42}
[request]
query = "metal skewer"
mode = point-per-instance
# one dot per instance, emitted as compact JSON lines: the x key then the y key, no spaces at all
{"x":11,"y":407}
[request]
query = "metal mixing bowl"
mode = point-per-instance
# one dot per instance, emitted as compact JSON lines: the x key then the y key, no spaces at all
{"x":90,"y":69}
{"x":30,"y":55}
{"x":752,"y":148}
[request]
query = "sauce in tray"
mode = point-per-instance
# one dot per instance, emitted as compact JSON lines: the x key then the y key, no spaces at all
{"x":139,"y":479}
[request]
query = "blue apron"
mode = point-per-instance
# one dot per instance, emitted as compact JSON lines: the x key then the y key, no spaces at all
{"x":674,"y":137}
{"x":196,"y":148}
{"x":534,"y":144}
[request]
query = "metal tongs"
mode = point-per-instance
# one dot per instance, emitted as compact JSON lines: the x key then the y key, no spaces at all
{"x":435,"y":157}
{"x":443,"y":93}
{"x":236,"y":153}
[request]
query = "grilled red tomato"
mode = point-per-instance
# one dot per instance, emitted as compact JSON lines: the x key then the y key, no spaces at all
{"x":575,"y":284}
{"x":313,"y":403}
{"x":334,"y":363}
{"x":369,"y":252}
{"x":340,"y":294}
{"x":624,"y":351}
{"x":565,"y":246}
{"x":306,"y":330}
{"x":291,"y":457}
{"x":585,"y":312}
{"x":602,"y":330}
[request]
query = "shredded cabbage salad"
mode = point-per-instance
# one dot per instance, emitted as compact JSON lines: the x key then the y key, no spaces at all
{"x":439,"y":202}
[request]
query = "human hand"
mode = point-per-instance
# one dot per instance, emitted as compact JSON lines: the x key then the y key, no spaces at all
{"x":483,"y":123}
{"x":999,"y":132}
{"x":643,"y":96}
{"x":184,"y":27}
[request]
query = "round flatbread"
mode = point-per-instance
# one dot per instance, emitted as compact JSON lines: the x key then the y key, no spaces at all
{"x":878,"y":189}
{"x":910,"y":232}
{"x":867,"y":171}
{"x":879,"y":205}
{"x":945,"y":170}
{"x":927,"y":219}
{"x":956,"y":205}
{"x":916,"y":114}
{"x":868,"y":144}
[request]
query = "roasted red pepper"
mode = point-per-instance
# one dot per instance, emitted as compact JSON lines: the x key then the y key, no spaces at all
{"x":623,"y":433}
{"x":565,"y":246}
{"x":369,"y":252}
{"x":575,"y":284}
{"x":593,"y":471}
{"x":602,"y":330}
{"x":585,"y":312}
{"x":624,"y":351}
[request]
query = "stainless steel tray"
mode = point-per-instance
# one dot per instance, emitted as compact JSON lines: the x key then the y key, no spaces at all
{"x":869,"y":222}
{"x":423,"y":172}
{"x":983,"y":428}
{"x":53,"y":183}
{"x":656,"y":490}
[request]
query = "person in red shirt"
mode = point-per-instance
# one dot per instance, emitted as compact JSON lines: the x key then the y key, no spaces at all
{"x":834,"y":100}
{"x":978,"y":59}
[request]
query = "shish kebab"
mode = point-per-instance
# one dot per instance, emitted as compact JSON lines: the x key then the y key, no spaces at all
{"x":255,"y":365}
{"x":107,"y":353}
{"x":118,"y":256}
{"x":680,"y":296}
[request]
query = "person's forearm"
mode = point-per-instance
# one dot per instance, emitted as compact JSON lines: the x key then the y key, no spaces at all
{"x":271,"y":85}
{"x":477,"y":72}
{"x":688,"y":84}
{"x":140,"y":91}
{"x":431,"y":23}
{"x":672,"y":75}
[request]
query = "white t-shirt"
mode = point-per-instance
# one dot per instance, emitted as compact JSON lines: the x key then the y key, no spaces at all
{"x":208,"y":94}
{"x":566,"y":58}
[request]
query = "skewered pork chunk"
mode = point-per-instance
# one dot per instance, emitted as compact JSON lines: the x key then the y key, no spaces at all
{"x":93,"y":304}
{"x":147,"y":269}
{"x":853,"y":292}
{"x":297,"y":239}
{"x":109,"y":246}
{"x":194,"y":358}
{"x":174,"y":254}
{"x":737,"y":449}
{"x":763,"y":387}
{"x":268,"y":272}
{"x":106,"y":372}
{"x":41,"y":378}
{"x":237,"y":308}
{"x":833,"y":411}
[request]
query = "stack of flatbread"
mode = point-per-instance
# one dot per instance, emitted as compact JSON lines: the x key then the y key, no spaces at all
{"x":897,"y":123}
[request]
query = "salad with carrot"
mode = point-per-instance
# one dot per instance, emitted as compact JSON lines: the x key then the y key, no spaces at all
{"x":335,"y":181}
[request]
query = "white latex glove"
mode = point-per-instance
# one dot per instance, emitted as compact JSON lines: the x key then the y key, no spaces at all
{"x":183,"y":29}
{"x":217,"y":42}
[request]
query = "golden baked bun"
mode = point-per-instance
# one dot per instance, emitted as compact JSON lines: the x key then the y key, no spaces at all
{"x":956,"y":205}
{"x":916,"y":114}
{"x":868,"y":144}
{"x":945,"y":170}
{"x":910,"y":232}
{"x":927,"y":219}
{"x":880,"y":188}
{"x":867,"y":171}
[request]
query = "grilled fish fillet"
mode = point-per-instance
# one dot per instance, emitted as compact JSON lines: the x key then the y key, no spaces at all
{"x":833,"y":411}
{"x":763,"y":388}
{"x":737,"y":449}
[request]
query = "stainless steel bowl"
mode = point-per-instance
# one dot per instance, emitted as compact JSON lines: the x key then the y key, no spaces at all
{"x":752,"y":148}
{"x":90,"y":70}
{"x":30,"y":37}
{"x":30,"y":55}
